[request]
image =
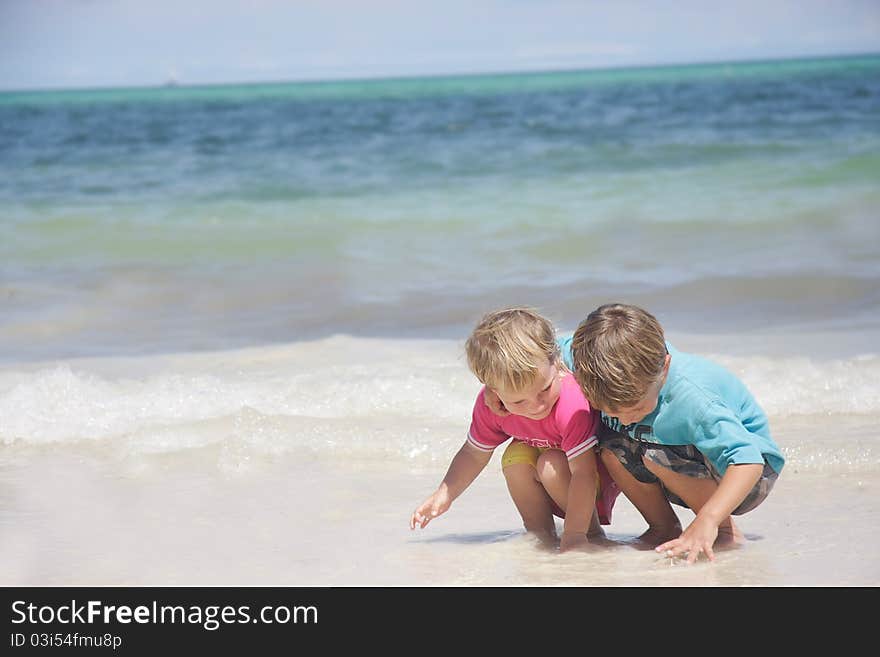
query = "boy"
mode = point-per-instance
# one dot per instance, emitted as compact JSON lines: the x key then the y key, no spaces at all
{"x":550,"y":465}
{"x":676,"y":428}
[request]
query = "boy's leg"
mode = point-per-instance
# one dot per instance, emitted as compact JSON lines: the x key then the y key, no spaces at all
{"x":695,"y":492}
{"x":648,"y":498}
{"x":555,"y":476}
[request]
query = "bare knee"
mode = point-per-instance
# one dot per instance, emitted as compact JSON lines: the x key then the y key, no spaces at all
{"x":662,"y":473}
{"x":552,"y":463}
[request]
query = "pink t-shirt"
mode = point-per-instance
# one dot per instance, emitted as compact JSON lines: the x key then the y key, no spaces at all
{"x":570,"y":426}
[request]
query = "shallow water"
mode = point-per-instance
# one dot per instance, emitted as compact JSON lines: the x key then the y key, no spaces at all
{"x":74,"y":520}
{"x":300,"y":465}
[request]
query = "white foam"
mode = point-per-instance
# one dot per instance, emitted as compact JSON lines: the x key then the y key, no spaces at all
{"x":804,"y":386}
{"x":375,"y":398}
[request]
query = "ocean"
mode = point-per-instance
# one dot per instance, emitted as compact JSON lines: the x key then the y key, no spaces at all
{"x":232,"y":317}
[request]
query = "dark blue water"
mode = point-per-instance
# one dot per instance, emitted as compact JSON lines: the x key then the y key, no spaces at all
{"x":724,"y":195}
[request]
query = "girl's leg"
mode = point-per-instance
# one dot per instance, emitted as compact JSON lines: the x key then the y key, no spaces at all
{"x":649,"y":500}
{"x":695,"y":492}
{"x":555,"y":476}
{"x":531,"y":500}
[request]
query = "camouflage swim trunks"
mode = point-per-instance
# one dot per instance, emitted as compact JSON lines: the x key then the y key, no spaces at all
{"x":683,"y":459}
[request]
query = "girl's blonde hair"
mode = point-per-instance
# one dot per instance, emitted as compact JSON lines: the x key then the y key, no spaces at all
{"x":618,"y":351}
{"x":507,"y":348}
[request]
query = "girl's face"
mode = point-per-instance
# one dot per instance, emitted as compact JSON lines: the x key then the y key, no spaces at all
{"x":536,"y":400}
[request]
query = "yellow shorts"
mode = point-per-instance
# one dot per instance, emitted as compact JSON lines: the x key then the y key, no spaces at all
{"x":519,"y":452}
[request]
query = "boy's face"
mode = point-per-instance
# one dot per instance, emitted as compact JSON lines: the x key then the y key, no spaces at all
{"x":535,"y":401}
{"x":644,"y":407}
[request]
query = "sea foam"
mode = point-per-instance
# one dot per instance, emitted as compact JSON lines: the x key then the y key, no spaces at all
{"x":320,"y":397}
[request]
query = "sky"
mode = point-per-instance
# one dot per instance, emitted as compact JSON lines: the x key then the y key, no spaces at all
{"x":111,"y":43}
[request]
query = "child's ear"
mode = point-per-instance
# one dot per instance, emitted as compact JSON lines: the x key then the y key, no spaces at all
{"x":665,"y":372}
{"x":496,"y":405}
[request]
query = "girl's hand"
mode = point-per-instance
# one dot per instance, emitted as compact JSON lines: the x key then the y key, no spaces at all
{"x":434,"y":506}
{"x":573,"y":541}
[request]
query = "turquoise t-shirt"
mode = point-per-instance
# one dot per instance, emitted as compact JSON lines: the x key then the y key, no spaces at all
{"x":704,"y":405}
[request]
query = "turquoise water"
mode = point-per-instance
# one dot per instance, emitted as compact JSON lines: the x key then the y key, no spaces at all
{"x":147,"y":234}
{"x":721,"y":196}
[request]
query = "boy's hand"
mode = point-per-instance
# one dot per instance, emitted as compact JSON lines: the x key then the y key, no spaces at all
{"x":698,"y":537}
{"x":701,"y":534}
{"x":432,"y":507}
{"x":494,"y":402}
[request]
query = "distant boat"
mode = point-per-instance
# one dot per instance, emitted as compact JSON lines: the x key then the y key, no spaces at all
{"x":171,"y":80}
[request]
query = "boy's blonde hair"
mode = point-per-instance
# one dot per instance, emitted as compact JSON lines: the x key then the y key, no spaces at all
{"x":507,"y":347}
{"x":618,"y":351}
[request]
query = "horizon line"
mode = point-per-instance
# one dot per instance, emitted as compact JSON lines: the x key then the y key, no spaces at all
{"x":176,"y":84}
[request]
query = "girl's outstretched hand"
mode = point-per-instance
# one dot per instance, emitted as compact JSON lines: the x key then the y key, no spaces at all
{"x":436,"y":505}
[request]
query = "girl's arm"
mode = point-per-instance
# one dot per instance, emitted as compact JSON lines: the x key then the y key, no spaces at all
{"x":464,"y":468}
{"x":581,"y":500}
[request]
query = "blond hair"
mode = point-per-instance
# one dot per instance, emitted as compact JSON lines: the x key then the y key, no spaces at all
{"x":508,"y":347}
{"x":618,"y":351}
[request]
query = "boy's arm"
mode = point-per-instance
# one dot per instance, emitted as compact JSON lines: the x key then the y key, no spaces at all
{"x":581,"y":500}
{"x":700,"y":535}
{"x":464,"y":468}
